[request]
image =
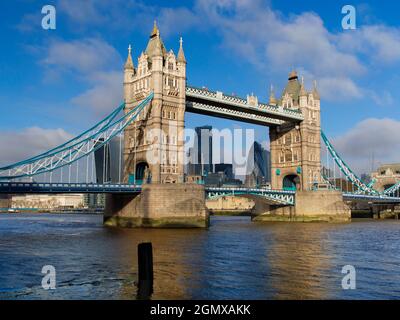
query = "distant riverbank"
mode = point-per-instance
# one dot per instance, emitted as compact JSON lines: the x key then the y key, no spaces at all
{"x":41,"y":211}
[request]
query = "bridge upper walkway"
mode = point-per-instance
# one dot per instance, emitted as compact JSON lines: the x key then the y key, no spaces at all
{"x":218,"y":104}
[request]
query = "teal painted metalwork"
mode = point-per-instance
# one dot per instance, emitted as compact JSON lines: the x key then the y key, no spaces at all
{"x":77,"y":148}
{"x":280,"y":197}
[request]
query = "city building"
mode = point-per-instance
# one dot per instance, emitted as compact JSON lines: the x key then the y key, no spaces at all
{"x":230,"y":204}
{"x":94,"y":200}
{"x":258,"y":170}
{"x":109,"y":161}
{"x":226,"y":168}
{"x":47,"y":201}
{"x":204,"y":148}
{"x":200,"y":155}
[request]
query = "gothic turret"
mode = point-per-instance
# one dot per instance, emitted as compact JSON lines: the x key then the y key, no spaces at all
{"x":315,"y":91}
{"x":303,"y":91}
{"x":290,"y":95}
{"x":303,"y":99}
{"x":272,"y":99}
{"x":129,"y":68}
{"x":129,"y":62}
{"x":155,"y":47}
{"x":181,"y":54}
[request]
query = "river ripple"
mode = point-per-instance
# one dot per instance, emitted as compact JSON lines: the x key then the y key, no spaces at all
{"x":234,"y":259}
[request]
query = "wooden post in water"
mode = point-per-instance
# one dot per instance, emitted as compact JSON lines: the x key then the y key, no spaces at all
{"x":145,"y":266}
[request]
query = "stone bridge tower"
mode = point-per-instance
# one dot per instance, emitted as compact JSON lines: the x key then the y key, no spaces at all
{"x":154,"y":142}
{"x":296,"y":148}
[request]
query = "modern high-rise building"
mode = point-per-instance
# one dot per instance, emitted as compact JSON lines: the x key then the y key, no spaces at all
{"x":109,"y":162}
{"x":204,"y":147}
{"x":226,"y":168}
{"x":94,"y":200}
{"x":200,"y":155}
{"x":258,"y":169}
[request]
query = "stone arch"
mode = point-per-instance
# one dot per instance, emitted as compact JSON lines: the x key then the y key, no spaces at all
{"x":291,"y":182}
{"x":169,"y":179}
{"x":142,"y":174}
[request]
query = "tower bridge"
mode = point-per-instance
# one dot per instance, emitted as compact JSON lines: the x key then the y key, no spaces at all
{"x":151,"y":190}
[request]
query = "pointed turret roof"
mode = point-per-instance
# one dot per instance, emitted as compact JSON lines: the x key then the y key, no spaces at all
{"x":181,"y":54}
{"x":303,"y":91}
{"x":315,"y":91}
{"x":293,"y":87}
{"x":293,"y":75}
{"x":155,"y":29}
{"x":272,"y":99}
{"x":155,"y":46}
{"x":129,"y":62}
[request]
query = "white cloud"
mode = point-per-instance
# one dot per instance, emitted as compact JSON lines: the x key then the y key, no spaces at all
{"x":83,"y":12}
{"x":338,"y":88}
{"x":272,"y":41}
{"x":94,"y":62}
{"x":125,"y":16}
{"x":83,"y":56}
{"x":17,"y":146}
{"x":379,"y":43}
{"x":105,"y":95}
{"x":377,"y":137}
{"x":276,"y":43}
{"x":177,"y":20}
{"x":382,"y":99}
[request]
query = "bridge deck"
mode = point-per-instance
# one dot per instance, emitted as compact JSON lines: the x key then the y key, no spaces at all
{"x":217,"y":104}
{"x":282,"y":196}
{"x":376,"y":199}
{"x":31,"y":187}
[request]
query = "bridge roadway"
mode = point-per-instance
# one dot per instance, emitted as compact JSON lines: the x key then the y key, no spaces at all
{"x":218,"y":104}
{"x":282,"y":197}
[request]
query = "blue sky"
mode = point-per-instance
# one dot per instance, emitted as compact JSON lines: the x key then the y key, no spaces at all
{"x":56,"y":83}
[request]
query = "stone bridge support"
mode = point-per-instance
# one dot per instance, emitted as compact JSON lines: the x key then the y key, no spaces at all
{"x":318,"y":206}
{"x":159,"y":205}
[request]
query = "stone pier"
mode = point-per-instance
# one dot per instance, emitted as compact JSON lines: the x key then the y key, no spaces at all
{"x":160,"y":206}
{"x":310,"y":206}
